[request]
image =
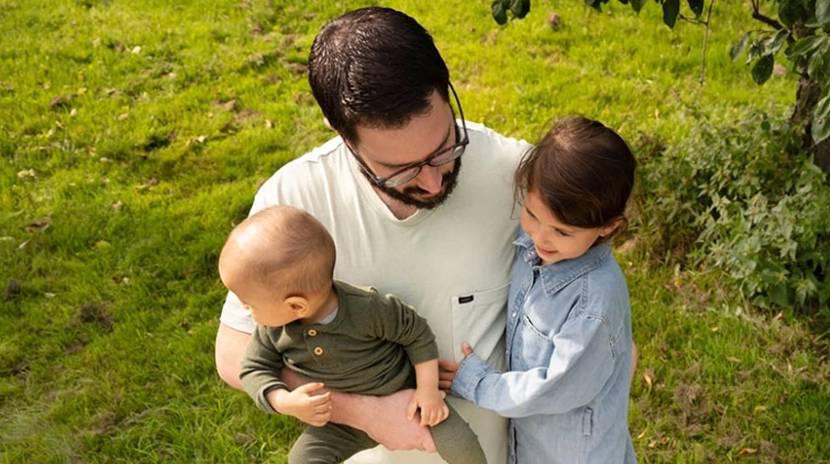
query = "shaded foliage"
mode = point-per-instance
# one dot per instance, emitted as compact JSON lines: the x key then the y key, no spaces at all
{"x":735,"y":198}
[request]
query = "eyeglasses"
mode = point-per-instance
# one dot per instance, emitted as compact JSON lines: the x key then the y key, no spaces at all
{"x":439,"y":158}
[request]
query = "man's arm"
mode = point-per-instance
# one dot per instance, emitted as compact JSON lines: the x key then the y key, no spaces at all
{"x":230,"y":347}
{"x":382,"y":417}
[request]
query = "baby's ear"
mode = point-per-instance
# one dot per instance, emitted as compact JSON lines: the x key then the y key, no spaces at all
{"x":298,"y":304}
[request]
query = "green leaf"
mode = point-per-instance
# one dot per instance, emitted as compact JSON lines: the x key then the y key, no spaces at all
{"x":821,"y":119}
{"x":822,"y":12}
{"x":671,"y":8}
{"x":499,"y":9}
{"x":637,"y":5}
{"x":755,"y":51}
{"x":818,"y":64}
{"x":803,"y":47}
{"x":779,"y":295}
{"x":739,"y":46}
{"x":696,"y":6}
{"x":774,"y":43}
{"x":789,"y":11}
{"x":520,"y":8}
{"x":595,"y":4}
{"x":762,"y":70}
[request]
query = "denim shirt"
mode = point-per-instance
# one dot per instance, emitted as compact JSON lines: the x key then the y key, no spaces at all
{"x":569,"y":354}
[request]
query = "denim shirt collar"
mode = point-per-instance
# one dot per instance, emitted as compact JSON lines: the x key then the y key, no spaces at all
{"x":556,"y":276}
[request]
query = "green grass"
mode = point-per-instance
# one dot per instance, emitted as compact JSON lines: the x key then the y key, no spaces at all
{"x":148,"y":127}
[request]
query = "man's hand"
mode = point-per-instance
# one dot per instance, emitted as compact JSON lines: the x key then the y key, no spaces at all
{"x":431,"y":403}
{"x":384,"y":419}
{"x":307,"y":403}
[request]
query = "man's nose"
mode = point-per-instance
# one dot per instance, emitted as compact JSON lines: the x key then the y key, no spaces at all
{"x":430,"y":179}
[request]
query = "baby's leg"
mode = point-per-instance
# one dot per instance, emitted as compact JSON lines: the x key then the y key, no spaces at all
{"x":456,"y":441}
{"x":330,"y":444}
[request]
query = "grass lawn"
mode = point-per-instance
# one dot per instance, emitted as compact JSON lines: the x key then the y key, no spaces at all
{"x":133,"y":135}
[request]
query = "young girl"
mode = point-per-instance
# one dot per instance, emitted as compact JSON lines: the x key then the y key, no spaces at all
{"x":568,"y":324}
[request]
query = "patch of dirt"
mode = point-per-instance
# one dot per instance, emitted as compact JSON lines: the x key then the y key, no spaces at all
{"x":13,"y":289}
{"x":95,"y":313}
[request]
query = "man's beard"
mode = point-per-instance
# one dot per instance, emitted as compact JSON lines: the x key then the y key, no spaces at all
{"x":448,"y":181}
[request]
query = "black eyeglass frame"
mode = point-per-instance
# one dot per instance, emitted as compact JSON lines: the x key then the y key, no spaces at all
{"x":390,"y":181}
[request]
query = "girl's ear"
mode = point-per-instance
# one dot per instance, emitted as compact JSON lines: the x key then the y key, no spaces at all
{"x":611,"y":227}
{"x":298,"y":305}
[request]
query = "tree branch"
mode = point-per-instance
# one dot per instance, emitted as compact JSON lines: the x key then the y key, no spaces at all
{"x":706,"y":43}
{"x":683,"y":17}
{"x":767,"y":20}
{"x":757,"y":15}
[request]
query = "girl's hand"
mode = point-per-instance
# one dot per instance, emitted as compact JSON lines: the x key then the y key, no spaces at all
{"x":466,"y":349}
{"x":448,"y":369}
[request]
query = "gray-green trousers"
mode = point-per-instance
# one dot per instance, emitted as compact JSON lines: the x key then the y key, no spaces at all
{"x":334,"y":443}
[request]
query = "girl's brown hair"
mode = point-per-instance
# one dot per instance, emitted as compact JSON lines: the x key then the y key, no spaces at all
{"x":583,"y":171}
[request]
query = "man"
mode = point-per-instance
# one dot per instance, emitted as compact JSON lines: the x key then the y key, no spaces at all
{"x":405,"y":215}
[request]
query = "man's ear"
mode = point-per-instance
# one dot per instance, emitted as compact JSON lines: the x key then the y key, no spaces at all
{"x":298,"y":304}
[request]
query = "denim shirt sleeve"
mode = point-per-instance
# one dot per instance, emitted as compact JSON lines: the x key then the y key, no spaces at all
{"x":581,"y":363}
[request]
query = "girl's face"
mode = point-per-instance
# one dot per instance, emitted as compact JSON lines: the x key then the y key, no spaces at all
{"x":554,"y":240}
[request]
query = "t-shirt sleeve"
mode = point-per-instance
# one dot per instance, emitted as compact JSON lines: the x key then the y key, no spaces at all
{"x":275,"y":191}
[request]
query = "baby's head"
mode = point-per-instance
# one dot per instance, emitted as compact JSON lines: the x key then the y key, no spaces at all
{"x":279,"y":262}
{"x":574,"y":185}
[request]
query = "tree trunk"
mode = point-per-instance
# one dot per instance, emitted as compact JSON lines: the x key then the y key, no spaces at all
{"x":806,"y":99}
{"x":822,"y":157}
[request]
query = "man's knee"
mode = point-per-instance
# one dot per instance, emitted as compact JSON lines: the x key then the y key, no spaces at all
{"x":230,"y":347}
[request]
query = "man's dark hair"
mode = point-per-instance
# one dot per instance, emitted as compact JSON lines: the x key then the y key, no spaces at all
{"x":374,"y":67}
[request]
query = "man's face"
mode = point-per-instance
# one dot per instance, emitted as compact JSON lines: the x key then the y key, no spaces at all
{"x":386,"y":151}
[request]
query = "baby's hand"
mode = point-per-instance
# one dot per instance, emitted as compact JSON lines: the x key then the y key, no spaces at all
{"x":431,"y":403}
{"x":305,"y":402}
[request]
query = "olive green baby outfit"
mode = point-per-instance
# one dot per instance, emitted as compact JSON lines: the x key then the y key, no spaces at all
{"x":369,"y":347}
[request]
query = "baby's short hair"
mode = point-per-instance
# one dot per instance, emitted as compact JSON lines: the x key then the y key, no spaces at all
{"x":282,"y":247}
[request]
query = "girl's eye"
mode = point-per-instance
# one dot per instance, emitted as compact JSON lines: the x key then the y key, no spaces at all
{"x":562,"y":233}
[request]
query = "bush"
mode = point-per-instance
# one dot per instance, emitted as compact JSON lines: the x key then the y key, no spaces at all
{"x":741,"y":198}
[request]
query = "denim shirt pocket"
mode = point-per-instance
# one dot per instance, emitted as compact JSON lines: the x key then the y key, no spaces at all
{"x":533,"y":347}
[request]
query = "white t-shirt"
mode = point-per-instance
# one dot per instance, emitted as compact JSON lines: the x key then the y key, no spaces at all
{"x":451,"y":263}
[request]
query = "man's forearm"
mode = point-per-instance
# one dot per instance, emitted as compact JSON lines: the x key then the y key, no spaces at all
{"x":230,"y":347}
{"x":382,"y":417}
{"x":347,"y":408}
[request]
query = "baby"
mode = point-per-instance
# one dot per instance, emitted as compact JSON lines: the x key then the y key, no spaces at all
{"x":280,"y":263}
